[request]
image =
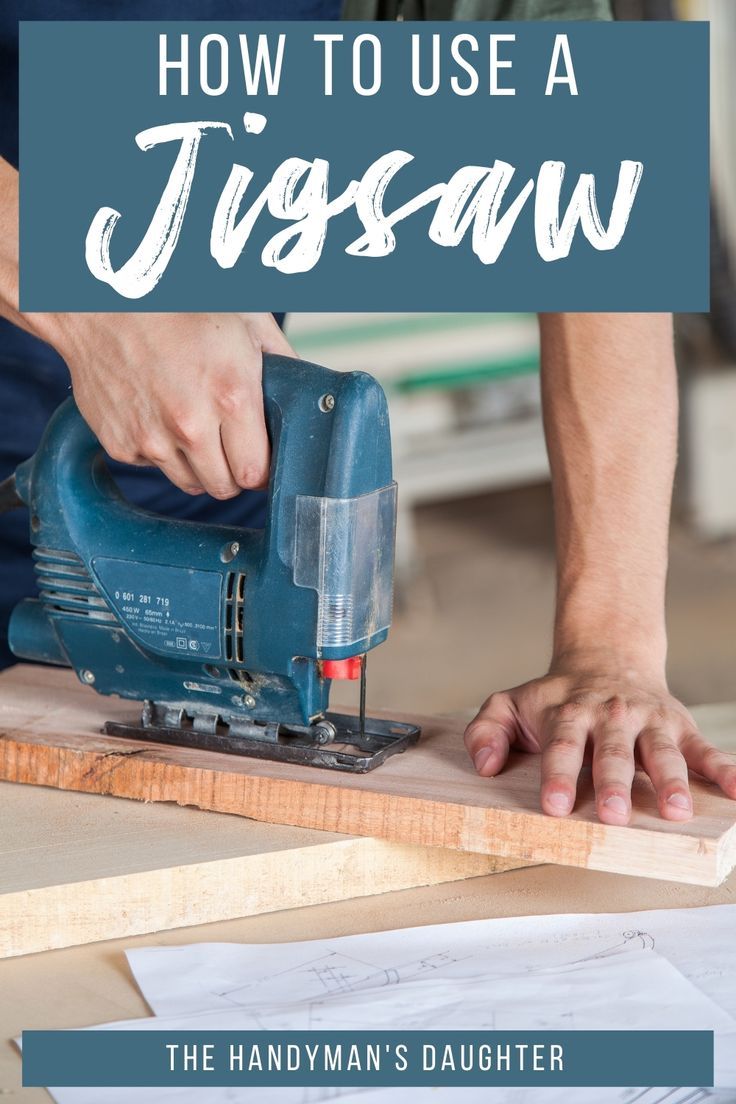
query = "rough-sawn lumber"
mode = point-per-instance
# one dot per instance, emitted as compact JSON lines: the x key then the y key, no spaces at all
{"x":429,"y":796}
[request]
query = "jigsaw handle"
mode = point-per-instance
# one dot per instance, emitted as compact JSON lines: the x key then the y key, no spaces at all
{"x":329,"y":435}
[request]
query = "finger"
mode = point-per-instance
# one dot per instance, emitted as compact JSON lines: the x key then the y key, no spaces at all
{"x":665,"y":764}
{"x":161,"y":454}
{"x":490,"y":734}
{"x":565,"y":737}
{"x":245,"y":440}
{"x":178,"y":470}
{"x":613,"y":769}
{"x":715,"y":765}
{"x":196,"y":434}
{"x":206,"y":457}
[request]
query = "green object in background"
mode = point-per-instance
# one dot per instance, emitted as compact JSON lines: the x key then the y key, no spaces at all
{"x":378,"y":330}
{"x":443,"y":375}
{"x":451,"y":376}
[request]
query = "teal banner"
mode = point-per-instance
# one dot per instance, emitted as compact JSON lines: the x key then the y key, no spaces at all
{"x":366,"y":1058}
{"x":364,"y":166}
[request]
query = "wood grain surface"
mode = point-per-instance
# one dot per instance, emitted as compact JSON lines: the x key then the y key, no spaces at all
{"x":78,"y":868}
{"x":430,"y":796}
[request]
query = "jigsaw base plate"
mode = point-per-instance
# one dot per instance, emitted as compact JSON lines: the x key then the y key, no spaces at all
{"x":350,"y":749}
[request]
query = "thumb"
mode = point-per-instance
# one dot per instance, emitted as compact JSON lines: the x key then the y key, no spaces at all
{"x":491,"y":733}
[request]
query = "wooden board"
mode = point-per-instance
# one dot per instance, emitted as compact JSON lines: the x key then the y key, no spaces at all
{"x":78,"y":868}
{"x":429,"y":796}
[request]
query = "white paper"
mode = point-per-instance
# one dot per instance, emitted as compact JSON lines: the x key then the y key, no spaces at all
{"x":544,"y":1096}
{"x":700,"y":942}
{"x":636,"y":989}
{"x":660,"y":969}
{"x":394,"y":1096}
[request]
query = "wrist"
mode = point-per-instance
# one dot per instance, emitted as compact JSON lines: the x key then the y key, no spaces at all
{"x":611,"y":626}
{"x":627,"y":658}
{"x":49,"y":327}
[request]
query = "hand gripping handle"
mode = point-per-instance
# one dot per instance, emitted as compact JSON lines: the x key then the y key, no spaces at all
{"x":328,"y":430}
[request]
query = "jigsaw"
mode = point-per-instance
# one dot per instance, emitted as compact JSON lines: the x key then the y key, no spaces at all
{"x":229,"y":637}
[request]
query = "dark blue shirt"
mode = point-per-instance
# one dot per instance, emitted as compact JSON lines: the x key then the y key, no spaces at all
{"x":13,"y":10}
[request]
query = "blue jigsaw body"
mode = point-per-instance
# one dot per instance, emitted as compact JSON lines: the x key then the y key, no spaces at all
{"x":225,"y":633}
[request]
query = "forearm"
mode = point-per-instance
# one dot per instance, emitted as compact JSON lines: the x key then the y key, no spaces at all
{"x":9,"y":245}
{"x":610,"y":408}
{"x":44,"y":326}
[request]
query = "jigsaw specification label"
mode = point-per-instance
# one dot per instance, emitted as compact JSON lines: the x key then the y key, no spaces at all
{"x":169,"y":609}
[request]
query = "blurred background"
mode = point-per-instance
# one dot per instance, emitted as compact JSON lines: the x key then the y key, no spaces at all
{"x":475,"y":579}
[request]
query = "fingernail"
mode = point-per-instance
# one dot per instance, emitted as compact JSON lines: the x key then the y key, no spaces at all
{"x":481,"y":758}
{"x":616,"y":804}
{"x":560,"y":802}
{"x":679,"y":801}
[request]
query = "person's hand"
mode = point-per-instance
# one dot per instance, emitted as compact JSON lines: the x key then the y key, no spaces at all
{"x":181,"y":392}
{"x":620,"y":717}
